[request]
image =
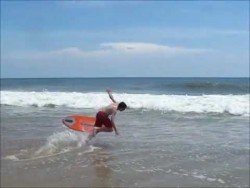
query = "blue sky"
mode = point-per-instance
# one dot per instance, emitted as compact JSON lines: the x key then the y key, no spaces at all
{"x":128,"y":38}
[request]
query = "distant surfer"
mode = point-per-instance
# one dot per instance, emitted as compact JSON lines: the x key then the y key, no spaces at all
{"x":106,"y":116}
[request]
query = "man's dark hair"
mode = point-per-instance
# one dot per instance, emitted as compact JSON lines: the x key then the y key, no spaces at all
{"x":122,"y":105}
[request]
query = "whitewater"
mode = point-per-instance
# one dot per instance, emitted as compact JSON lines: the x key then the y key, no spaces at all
{"x":231,"y":104}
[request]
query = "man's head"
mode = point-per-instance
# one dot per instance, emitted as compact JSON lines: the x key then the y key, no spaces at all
{"x":121,"y":106}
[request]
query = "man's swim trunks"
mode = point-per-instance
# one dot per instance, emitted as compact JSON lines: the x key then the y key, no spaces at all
{"x":102,"y":119}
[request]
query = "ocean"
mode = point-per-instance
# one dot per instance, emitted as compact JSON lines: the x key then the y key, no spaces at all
{"x":176,"y":132}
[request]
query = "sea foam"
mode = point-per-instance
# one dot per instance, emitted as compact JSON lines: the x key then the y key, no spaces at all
{"x":61,"y":142}
{"x":232,"y":104}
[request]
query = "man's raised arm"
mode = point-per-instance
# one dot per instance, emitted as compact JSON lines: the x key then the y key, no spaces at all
{"x":110,"y":95}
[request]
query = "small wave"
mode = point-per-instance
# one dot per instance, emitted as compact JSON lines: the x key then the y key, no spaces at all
{"x":205,"y":177}
{"x":12,"y":158}
{"x":61,"y":142}
{"x":56,"y":144}
{"x":232,"y":104}
{"x":202,"y":85}
{"x":219,"y":87}
{"x":209,"y":86}
{"x":50,"y":105}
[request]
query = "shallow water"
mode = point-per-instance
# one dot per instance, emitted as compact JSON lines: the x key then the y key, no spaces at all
{"x":155,"y":148}
{"x":177,"y":132}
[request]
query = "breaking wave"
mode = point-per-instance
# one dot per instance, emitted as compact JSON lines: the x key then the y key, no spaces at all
{"x":232,"y":104}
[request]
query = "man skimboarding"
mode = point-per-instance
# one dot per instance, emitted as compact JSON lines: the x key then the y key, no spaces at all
{"x":106,"y":115}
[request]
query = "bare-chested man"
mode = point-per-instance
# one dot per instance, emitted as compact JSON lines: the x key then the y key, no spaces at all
{"x":105,"y":117}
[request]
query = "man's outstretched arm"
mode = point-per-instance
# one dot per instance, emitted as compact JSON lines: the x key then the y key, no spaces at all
{"x":110,"y":95}
{"x":113,"y":123}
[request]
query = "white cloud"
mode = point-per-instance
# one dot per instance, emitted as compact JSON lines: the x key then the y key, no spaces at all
{"x":149,"y":48}
{"x":109,"y":50}
{"x":76,"y":52}
{"x":127,"y":48}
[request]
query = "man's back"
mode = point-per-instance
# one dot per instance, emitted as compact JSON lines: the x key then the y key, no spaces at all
{"x":110,"y":109}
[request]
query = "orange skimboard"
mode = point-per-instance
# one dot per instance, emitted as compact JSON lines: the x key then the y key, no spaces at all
{"x":79,"y":122}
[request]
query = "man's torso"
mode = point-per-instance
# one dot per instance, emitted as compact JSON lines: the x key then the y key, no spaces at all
{"x":110,"y":109}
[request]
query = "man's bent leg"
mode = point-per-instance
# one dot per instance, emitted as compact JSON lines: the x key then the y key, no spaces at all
{"x":103,"y":129}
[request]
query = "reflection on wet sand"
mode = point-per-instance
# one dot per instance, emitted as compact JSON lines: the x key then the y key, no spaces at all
{"x":102,"y":173}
